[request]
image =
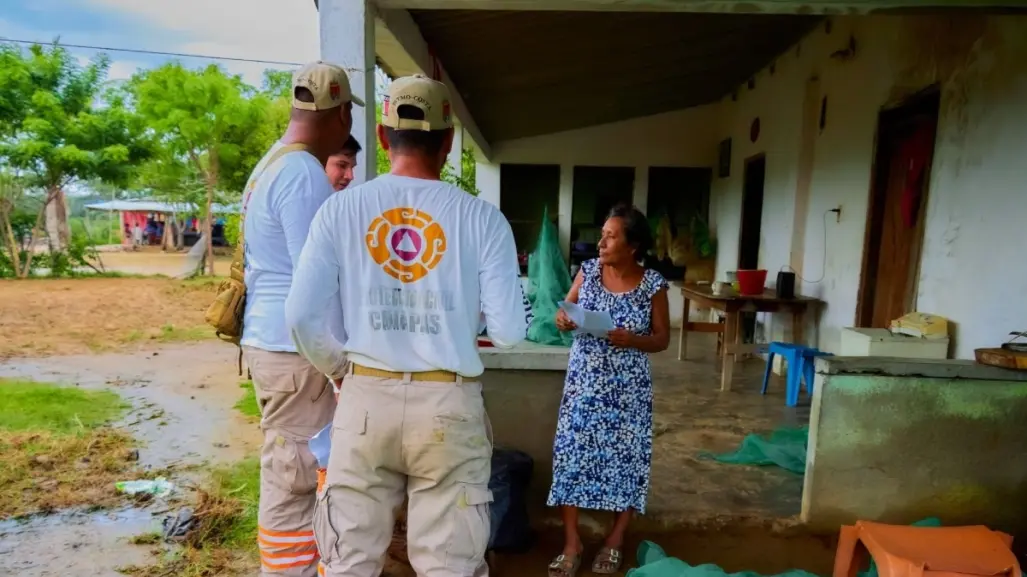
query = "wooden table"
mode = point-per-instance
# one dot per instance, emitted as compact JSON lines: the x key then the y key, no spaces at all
{"x":732,"y":306}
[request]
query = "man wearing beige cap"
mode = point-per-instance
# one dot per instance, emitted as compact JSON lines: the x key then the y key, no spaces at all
{"x":413,"y":261}
{"x":286,"y":189}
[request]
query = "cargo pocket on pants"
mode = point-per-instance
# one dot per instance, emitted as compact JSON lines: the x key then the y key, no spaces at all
{"x":470,"y":524}
{"x":294,"y":467}
{"x":325,"y":535}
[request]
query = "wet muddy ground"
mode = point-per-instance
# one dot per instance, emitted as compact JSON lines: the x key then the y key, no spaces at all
{"x":182,"y":398}
{"x":183,"y":395}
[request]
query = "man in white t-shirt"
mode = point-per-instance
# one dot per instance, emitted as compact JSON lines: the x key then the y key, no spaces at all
{"x":413,"y":261}
{"x":286,"y":189}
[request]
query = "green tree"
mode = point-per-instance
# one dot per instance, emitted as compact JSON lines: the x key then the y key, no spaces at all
{"x":208,"y":125}
{"x":58,"y":125}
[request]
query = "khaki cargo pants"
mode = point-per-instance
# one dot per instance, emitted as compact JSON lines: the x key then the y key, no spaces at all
{"x":425,"y":440}
{"x":296,"y":402}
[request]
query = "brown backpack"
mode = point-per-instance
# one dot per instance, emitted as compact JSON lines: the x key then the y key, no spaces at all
{"x":225,"y":314}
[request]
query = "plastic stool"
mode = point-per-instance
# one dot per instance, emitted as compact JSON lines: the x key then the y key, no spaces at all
{"x":909,"y":551}
{"x":800,"y":363}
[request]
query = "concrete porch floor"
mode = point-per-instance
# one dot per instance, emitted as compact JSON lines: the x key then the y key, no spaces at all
{"x":692,"y":416}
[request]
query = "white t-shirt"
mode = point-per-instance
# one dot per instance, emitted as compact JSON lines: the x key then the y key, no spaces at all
{"x":278,"y":214}
{"x":414,"y":263}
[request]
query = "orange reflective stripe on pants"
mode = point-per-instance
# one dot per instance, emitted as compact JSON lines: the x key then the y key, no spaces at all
{"x":296,"y":402}
{"x":286,"y":550}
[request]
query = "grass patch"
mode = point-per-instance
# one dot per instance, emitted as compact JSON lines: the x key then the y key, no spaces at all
{"x":210,"y":283}
{"x":30,"y":406}
{"x":170,"y":333}
{"x":55,"y":450}
{"x":247,"y":404}
{"x":224,"y":542}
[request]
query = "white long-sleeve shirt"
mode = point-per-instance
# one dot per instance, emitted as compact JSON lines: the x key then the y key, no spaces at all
{"x":277,"y":218}
{"x":413,"y":262}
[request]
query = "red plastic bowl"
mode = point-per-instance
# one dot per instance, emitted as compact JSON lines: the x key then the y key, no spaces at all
{"x":751,"y":282}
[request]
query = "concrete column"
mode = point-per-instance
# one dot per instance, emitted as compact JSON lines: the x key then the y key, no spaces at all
{"x":486,"y":176}
{"x":347,"y":40}
{"x":565,"y":209}
{"x":456,"y":153}
{"x":807,"y":153}
{"x":640,"y":192}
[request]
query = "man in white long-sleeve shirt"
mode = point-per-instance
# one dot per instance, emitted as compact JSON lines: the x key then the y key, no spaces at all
{"x":287,"y":188}
{"x":414,"y":261}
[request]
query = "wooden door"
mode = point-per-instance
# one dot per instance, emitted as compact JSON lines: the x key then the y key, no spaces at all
{"x":895,"y":221}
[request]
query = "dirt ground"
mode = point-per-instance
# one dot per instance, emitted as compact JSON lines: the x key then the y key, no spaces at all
{"x":73,"y":316}
{"x":151,"y":261}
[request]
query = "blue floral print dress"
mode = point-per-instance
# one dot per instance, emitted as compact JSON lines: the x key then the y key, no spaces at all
{"x":604,"y":436}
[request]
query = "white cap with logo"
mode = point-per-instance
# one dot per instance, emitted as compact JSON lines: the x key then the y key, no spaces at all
{"x":431,"y":96}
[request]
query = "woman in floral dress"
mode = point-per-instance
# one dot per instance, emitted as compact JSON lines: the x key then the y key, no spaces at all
{"x":603,"y":443}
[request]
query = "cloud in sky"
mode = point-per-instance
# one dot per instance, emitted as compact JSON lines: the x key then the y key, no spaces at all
{"x":277,"y":30}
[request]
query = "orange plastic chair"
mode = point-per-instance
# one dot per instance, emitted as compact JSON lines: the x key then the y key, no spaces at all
{"x":906,"y":551}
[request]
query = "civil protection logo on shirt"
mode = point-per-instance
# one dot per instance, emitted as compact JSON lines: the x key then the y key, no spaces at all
{"x":407,"y":243}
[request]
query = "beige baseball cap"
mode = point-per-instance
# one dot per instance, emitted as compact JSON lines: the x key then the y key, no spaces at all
{"x":418,"y":90}
{"x":327,"y":82}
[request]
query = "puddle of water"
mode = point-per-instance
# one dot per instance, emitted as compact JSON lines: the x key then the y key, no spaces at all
{"x":182,"y":398}
{"x":74,"y":543}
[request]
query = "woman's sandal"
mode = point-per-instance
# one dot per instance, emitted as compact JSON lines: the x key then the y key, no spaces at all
{"x":565,"y":566}
{"x":607,"y":561}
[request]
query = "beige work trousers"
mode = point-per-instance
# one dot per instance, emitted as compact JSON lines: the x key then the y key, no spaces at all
{"x":296,"y":402}
{"x":429,"y":439}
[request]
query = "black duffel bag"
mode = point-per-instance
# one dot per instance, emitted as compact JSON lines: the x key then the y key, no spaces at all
{"x":511,"y":528}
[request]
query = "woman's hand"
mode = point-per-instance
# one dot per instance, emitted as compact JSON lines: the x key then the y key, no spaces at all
{"x":621,"y":338}
{"x":563,"y":322}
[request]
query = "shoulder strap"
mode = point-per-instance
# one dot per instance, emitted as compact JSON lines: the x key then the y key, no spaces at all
{"x":238,"y":253}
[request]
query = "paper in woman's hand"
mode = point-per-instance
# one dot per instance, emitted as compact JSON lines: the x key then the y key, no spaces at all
{"x":595,"y":323}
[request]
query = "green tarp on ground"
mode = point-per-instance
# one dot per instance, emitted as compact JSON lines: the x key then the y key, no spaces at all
{"x":654,"y":562}
{"x":785,"y":448}
{"x":549,"y":280}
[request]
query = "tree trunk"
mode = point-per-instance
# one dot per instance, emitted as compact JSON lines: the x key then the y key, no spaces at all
{"x":57,"y":227}
{"x":169,"y":233}
{"x":26,"y":267}
{"x":212,"y":180}
{"x":12,"y":242}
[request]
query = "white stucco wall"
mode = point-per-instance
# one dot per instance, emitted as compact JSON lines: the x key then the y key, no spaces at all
{"x":971,"y":271}
{"x":679,"y":138}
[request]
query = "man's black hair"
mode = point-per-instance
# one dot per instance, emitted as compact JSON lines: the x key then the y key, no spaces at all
{"x":428,"y":142}
{"x":352,"y":147}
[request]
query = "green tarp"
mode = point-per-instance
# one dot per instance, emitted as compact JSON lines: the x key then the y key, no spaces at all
{"x":785,"y":448}
{"x":549,"y":280}
{"x":654,"y":562}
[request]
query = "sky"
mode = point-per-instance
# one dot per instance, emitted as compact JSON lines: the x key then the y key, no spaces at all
{"x":275,"y":30}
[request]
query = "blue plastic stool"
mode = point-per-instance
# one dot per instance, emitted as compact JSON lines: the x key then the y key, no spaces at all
{"x":800,"y":361}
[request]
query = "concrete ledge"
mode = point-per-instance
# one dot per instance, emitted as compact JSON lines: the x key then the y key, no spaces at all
{"x":526,"y":356}
{"x":925,"y":368}
{"x":897,"y":440}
